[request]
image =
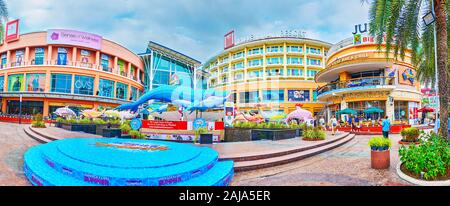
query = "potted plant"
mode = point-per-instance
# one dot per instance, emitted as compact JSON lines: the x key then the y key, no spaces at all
{"x":380,"y":152}
{"x":410,"y":135}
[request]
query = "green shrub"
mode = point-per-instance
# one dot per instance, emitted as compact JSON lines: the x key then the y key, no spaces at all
{"x":72,"y":121}
{"x":319,"y":134}
{"x":115,"y":121}
{"x":38,"y":118}
{"x":85,"y":121}
{"x":38,"y":124}
{"x":410,"y":134}
{"x":134,"y":133}
{"x":100,"y":121}
{"x":60,"y":120}
{"x":380,"y":143}
{"x":125,"y":128}
{"x":432,"y":157}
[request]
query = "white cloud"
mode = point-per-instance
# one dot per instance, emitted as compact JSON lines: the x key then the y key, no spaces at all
{"x":193,"y":27}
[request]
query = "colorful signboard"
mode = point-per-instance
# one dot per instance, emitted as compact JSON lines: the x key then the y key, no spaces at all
{"x":199,"y":123}
{"x":229,"y":114}
{"x":407,"y":76}
{"x":298,"y":95}
{"x":229,"y":40}
{"x":75,"y":38}
{"x":136,"y":124}
{"x":178,"y":137}
{"x":165,"y":125}
{"x":16,"y":83}
{"x":12,"y":31}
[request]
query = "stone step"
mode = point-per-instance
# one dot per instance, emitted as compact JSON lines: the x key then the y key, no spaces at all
{"x":265,"y":155}
{"x":36,"y":136}
{"x":47,"y":136}
{"x":274,"y":161}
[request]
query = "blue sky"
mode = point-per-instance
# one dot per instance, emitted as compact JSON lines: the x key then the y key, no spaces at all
{"x":193,"y":27}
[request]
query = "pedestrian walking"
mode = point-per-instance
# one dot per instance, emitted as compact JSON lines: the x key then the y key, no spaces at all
{"x":386,"y":124}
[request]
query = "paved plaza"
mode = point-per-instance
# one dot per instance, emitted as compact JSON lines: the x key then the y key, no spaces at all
{"x":345,"y":165}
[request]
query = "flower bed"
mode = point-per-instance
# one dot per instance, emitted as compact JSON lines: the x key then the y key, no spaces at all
{"x":429,"y":160}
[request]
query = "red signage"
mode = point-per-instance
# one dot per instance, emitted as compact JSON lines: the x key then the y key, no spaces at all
{"x":229,"y":40}
{"x":12,"y":31}
{"x":165,"y":125}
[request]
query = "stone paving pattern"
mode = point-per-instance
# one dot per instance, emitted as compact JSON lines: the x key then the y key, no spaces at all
{"x":348,"y":165}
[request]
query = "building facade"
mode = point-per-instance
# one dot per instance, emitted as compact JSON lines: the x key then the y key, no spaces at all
{"x":48,"y":70}
{"x":359,"y":76}
{"x":276,"y":72}
{"x":165,"y":66}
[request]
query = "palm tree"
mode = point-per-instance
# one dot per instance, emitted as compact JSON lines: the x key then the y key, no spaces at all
{"x":3,"y":17}
{"x":399,"y":24}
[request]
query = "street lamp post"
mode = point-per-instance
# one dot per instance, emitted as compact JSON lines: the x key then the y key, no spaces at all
{"x":20,"y":109}
{"x":428,"y":19}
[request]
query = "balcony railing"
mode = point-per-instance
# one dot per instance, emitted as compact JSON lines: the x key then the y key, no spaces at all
{"x":358,"y":82}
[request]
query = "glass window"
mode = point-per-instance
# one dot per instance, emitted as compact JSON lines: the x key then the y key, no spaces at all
{"x":255,"y":62}
{"x":295,"y":72}
{"x":134,"y":93}
{"x":2,"y":83}
{"x":314,"y":62}
{"x":255,"y":74}
{"x":238,"y":55}
{"x":274,"y":72}
{"x":255,"y":51}
{"x":363,"y":105}
{"x":62,"y":56}
{"x":105,"y":62}
{"x":312,"y":73}
{"x":61,"y":83}
{"x":273,"y":49}
{"x":225,"y":69}
{"x":16,"y":83}
{"x":273,"y":95}
{"x":106,"y":88}
{"x":28,"y":107}
{"x":161,"y":77}
{"x":401,"y":110}
{"x":39,"y":56}
{"x":275,"y":60}
{"x":35,"y":82}
{"x":239,"y":76}
{"x":121,"y":90}
{"x":249,"y":97}
{"x":313,"y":50}
{"x":4,"y":60}
{"x":121,"y":66}
{"x":239,"y":65}
{"x":295,"y":60}
{"x":297,"y":49}
{"x":225,"y":79}
{"x":84,"y":85}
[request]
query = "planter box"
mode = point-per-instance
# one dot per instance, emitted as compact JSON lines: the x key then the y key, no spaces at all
{"x":112,"y":132}
{"x":100,"y":127}
{"x":237,"y":135}
{"x":125,"y":136}
{"x":59,"y":124}
{"x":87,"y":128}
{"x":276,"y":134}
{"x":206,"y":138}
{"x":380,"y":159}
{"x":299,"y":132}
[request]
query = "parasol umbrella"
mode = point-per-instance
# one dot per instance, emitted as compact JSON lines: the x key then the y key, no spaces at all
{"x":299,"y":114}
{"x":373,"y":110}
{"x":426,"y":109}
{"x":347,"y":111}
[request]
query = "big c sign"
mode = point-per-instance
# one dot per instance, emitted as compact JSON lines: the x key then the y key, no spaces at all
{"x":75,"y":38}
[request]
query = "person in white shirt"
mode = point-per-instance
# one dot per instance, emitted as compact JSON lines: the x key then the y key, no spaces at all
{"x":333,"y":123}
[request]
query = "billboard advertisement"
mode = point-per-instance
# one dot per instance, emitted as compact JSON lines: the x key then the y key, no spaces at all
{"x":229,"y":40}
{"x":298,"y":95}
{"x":75,"y":38}
{"x":35,"y":82}
{"x":407,"y":76}
{"x":15,"y":83}
{"x":12,"y":31}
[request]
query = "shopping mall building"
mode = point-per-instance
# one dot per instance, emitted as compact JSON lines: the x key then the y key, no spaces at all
{"x":277,"y":72}
{"x":67,"y":68}
{"x":359,"y":76}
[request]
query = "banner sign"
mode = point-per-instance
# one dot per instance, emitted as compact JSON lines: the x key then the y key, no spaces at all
{"x":165,"y":125}
{"x":298,"y":95}
{"x":229,"y":40}
{"x":177,"y":137}
{"x":12,"y":31}
{"x":75,"y":38}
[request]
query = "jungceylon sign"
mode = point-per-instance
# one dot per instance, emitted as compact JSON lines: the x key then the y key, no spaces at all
{"x":75,"y":38}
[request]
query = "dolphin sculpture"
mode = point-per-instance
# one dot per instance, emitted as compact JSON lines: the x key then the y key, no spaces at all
{"x":64,"y":112}
{"x":167,"y":93}
{"x":209,"y":103}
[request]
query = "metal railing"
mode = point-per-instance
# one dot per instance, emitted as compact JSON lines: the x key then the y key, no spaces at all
{"x":357,"y":82}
